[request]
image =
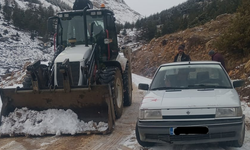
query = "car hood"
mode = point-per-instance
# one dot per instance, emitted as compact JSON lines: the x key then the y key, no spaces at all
{"x":192,"y":98}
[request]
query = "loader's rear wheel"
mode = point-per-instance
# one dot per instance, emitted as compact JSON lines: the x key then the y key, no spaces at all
{"x":113,"y":77}
{"x":118,"y":92}
{"x":127,"y":82}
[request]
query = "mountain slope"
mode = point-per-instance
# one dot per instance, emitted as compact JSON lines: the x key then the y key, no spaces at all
{"x":16,"y":45}
{"x":123,"y":12}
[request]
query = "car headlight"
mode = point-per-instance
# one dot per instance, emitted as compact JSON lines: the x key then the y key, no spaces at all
{"x":228,"y":112}
{"x":150,"y":114}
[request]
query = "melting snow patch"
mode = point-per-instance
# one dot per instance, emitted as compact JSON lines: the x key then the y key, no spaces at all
{"x":130,"y":141}
{"x":51,"y":121}
{"x":247,"y":97}
{"x":246,"y":111}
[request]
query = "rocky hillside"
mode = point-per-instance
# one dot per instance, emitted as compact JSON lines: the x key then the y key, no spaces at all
{"x":198,"y":41}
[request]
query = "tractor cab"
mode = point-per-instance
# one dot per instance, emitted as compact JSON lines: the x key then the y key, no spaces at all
{"x":89,"y":27}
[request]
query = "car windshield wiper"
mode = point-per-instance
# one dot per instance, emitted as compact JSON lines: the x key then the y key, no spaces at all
{"x":221,"y":87}
{"x":162,"y":88}
{"x":206,"y":86}
{"x":167,"y":88}
{"x":197,"y":85}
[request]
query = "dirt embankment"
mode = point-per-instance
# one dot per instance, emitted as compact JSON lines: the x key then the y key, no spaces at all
{"x":198,"y":41}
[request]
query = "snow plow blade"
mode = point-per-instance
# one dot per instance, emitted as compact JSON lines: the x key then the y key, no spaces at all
{"x":92,"y":103}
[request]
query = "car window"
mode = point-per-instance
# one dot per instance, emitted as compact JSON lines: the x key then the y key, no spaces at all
{"x":193,"y":76}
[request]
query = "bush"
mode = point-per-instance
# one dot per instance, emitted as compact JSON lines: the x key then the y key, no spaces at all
{"x":236,"y":38}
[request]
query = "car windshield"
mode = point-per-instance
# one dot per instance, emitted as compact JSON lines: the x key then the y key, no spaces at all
{"x":73,"y":28}
{"x":192,"y":76}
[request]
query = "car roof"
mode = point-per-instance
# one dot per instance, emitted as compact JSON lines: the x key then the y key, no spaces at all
{"x":190,"y":62}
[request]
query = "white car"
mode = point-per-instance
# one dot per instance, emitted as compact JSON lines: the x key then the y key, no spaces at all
{"x":191,"y":102}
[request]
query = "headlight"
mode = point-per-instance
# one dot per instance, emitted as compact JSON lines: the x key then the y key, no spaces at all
{"x":150,"y":114}
{"x":228,"y":112}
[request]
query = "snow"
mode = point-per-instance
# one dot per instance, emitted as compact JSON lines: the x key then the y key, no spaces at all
{"x":123,"y":12}
{"x":20,"y":49}
{"x":130,"y":141}
{"x":51,"y":121}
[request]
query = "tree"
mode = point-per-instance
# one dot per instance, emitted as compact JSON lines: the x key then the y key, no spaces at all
{"x":236,"y":39}
{"x":7,"y":11}
{"x":17,"y":17}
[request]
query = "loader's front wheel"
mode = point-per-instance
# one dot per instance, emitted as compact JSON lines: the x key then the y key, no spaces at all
{"x":127,"y":82}
{"x":113,"y":77}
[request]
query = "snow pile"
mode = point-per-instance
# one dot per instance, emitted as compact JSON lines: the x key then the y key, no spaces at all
{"x":51,"y":121}
{"x":130,"y":141}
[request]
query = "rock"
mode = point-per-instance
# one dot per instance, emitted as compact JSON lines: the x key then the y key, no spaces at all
{"x":247,"y":67}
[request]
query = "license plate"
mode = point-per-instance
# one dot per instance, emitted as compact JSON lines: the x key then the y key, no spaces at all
{"x":188,"y":130}
{"x":171,"y":131}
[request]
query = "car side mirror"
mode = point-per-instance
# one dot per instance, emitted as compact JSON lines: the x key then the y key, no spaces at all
{"x":143,"y":86}
{"x":238,"y":83}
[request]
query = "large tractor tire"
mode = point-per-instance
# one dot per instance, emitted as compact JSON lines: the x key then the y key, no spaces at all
{"x":113,"y":77}
{"x":127,"y":85}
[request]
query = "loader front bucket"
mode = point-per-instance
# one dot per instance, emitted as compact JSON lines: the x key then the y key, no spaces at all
{"x":90,"y":104}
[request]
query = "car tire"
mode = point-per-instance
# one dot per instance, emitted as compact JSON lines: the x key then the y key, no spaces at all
{"x":144,"y":144}
{"x":239,"y":142}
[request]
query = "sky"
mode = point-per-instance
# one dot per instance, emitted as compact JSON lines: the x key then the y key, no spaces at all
{"x":148,"y":7}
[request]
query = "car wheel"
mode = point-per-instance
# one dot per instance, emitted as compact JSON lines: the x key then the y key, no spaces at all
{"x":239,"y":142}
{"x":144,"y":144}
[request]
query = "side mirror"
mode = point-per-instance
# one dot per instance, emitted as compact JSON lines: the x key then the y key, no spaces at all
{"x":51,"y":24}
{"x":143,"y":86}
{"x":238,"y":83}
